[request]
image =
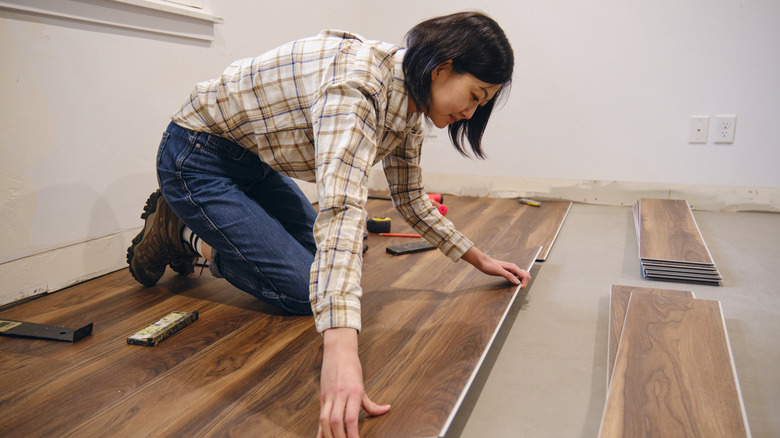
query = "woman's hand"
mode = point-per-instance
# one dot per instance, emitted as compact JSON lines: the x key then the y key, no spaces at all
{"x":500,"y":268}
{"x":341,"y":386}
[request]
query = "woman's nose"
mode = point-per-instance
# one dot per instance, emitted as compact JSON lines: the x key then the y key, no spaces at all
{"x":468,"y":112}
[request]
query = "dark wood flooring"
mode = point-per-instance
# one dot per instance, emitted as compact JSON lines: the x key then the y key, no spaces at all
{"x":245,"y":369}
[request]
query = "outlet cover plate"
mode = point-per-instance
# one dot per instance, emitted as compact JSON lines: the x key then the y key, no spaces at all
{"x":725,"y":127}
{"x":698,"y":129}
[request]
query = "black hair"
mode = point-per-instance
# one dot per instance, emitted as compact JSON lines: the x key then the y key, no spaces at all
{"x":477,"y":45}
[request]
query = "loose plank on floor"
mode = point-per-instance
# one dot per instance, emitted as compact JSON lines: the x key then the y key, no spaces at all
{"x":674,"y":374}
{"x":668,"y":232}
{"x":619,"y":296}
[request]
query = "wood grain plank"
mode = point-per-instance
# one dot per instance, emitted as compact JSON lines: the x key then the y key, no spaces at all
{"x":439,"y":356}
{"x":668,"y":232}
{"x":543,"y":224}
{"x":674,"y":374}
{"x":198,"y":392}
{"x":618,"y":303}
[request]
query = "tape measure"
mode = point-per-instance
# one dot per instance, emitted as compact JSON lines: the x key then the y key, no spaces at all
{"x":378,"y":225}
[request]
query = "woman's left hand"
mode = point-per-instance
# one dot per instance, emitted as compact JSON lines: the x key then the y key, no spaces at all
{"x":499,"y":268}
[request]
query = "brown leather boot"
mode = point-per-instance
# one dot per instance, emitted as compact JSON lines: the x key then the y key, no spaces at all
{"x":159,"y":244}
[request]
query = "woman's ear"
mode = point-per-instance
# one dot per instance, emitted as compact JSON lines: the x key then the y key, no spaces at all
{"x":444,"y":67}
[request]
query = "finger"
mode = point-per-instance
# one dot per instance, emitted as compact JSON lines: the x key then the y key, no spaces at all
{"x":522,"y":274}
{"x":513,"y":268}
{"x":319,"y":432}
{"x":351,"y":416}
{"x":336,"y":420}
{"x":511,"y":277}
{"x":372,"y":408}
{"x":511,"y":272}
{"x":324,"y":428}
{"x":526,"y":278}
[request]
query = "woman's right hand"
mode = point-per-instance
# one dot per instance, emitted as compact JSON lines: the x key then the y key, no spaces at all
{"x":341,"y":386}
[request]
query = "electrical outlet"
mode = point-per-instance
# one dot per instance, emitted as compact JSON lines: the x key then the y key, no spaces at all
{"x":698,"y":129}
{"x":725,"y":127}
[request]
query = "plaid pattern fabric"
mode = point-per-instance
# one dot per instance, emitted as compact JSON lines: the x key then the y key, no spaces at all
{"x":326,"y":109}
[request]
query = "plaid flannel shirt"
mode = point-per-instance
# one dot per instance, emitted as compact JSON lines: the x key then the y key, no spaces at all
{"x":325,"y":109}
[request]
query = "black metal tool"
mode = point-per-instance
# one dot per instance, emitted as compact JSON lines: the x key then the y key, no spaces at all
{"x":42,"y":331}
{"x":409,"y":248}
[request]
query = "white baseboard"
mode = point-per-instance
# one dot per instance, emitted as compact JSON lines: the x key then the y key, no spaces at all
{"x":617,"y":193}
{"x":62,"y":267}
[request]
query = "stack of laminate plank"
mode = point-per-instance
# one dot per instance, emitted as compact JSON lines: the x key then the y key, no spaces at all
{"x":671,"y":372}
{"x":670,"y":244}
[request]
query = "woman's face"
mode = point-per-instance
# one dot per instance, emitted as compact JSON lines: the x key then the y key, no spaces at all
{"x":456,"y":96}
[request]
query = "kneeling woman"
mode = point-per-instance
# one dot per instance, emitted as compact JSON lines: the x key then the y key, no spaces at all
{"x":323,"y":109}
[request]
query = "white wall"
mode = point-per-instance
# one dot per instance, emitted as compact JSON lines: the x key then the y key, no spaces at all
{"x":602,"y":97}
{"x":604,"y":90}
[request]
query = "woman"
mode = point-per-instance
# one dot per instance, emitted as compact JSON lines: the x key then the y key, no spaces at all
{"x":323,"y":109}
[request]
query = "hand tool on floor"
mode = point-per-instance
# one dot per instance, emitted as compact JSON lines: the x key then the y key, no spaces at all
{"x":42,"y":331}
{"x":158,"y":331}
{"x":378,"y":225}
{"x":530,"y":202}
{"x":409,"y":248}
{"x":438,"y":202}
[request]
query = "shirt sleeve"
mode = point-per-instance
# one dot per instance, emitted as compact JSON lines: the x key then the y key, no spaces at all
{"x":404,"y":176}
{"x":344,"y":124}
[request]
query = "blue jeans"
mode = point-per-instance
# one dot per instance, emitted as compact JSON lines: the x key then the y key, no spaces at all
{"x":257,"y":221}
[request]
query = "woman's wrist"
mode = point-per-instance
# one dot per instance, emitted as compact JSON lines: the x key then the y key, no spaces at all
{"x":473,"y":256}
{"x":340,"y":338}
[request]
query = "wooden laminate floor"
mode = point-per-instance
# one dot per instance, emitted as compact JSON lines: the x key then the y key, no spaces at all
{"x":243,"y":368}
{"x":673,"y":374}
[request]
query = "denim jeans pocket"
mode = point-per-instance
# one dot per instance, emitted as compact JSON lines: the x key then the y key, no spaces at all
{"x":224,"y":148}
{"x":218,"y":156}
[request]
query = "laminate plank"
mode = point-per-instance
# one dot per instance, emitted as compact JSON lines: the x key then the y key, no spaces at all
{"x":679,"y":266}
{"x":440,"y":356}
{"x":674,"y":374}
{"x":434,"y":383}
{"x":618,"y":303}
{"x":681,"y":276}
{"x":668,"y":232}
{"x":448,"y":274}
{"x":195,"y":393}
{"x":543,"y":224}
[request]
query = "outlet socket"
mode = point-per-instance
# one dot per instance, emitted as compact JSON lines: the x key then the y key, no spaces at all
{"x":725,"y":127}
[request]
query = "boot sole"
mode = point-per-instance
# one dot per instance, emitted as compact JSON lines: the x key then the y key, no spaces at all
{"x":149,"y":208}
